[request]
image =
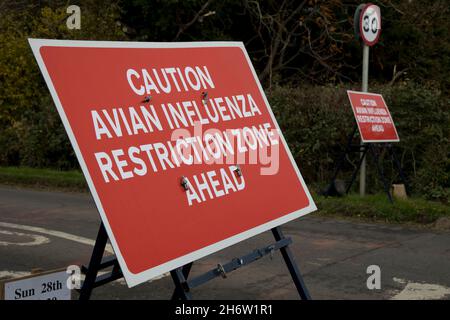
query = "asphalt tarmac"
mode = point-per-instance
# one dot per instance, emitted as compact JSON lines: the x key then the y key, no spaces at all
{"x":51,"y":230}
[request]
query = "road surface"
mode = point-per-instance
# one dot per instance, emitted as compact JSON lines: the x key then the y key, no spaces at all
{"x":50,"y":230}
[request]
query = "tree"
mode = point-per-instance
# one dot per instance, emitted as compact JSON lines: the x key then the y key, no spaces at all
{"x":291,"y":33}
{"x":31,"y":132}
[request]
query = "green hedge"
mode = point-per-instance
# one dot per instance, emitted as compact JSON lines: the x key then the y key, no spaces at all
{"x":315,"y":121}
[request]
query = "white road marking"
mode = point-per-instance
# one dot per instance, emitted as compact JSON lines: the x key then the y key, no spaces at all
{"x":37,"y":239}
{"x":63,"y":235}
{"x":316,"y":264}
{"x":54,"y":233}
{"x":420,"y":291}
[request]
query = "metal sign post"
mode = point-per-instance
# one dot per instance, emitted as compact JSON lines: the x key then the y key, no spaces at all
{"x":365,"y":88}
{"x":368,"y":28}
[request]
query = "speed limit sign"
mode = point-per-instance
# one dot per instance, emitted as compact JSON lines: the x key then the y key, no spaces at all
{"x":369,"y":23}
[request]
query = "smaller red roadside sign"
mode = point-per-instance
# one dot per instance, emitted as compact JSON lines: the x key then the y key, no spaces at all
{"x":372,"y":115}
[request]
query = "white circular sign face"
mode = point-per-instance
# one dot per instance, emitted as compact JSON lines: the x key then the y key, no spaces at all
{"x":370,"y":24}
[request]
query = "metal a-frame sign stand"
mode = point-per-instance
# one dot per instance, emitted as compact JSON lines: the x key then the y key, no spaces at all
{"x":374,"y":149}
{"x":183,"y":285}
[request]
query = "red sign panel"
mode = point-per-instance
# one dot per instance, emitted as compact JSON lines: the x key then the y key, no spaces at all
{"x":178,"y":144}
{"x":372,"y":115}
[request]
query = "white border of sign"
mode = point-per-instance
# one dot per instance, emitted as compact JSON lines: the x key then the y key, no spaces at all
{"x":131,"y":278}
{"x":373,"y":94}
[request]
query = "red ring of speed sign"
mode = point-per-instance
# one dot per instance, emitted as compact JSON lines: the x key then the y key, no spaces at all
{"x":374,"y":24}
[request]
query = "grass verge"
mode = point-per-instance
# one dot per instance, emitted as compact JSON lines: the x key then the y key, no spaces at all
{"x":372,"y":207}
{"x":378,"y":208}
{"x":43,"y":178}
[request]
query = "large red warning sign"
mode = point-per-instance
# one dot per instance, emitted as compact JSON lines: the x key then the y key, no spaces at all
{"x":372,"y":115}
{"x":178,"y":144}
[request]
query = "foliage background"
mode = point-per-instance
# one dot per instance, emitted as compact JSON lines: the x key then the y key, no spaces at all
{"x":306,"y":56}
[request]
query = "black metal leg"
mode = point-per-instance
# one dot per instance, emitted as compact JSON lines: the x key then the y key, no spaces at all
{"x":399,"y":168}
{"x":355,"y":172}
{"x":381,"y":173}
{"x":180,"y":275}
{"x":292,"y":266}
{"x":186,"y":269}
{"x":94,"y":264}
{"x":180,"y":284}
{"x":341,"y":161}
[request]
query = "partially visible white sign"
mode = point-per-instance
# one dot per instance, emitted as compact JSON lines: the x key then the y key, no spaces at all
{"x":51,"y":286}
{"x":370,"y":24}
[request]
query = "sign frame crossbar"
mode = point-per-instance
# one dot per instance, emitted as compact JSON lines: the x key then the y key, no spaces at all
{"x":180,"y":276}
